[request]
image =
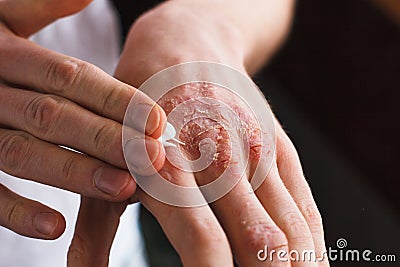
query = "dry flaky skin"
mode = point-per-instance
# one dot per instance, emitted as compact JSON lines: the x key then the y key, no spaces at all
{"x":206,"y":112}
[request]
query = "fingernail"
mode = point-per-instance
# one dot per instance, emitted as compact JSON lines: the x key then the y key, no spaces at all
{"x":142,"y":153}
{"x":45,"y":222}
{"x":110,"y":181}
{"x":146,"y":116}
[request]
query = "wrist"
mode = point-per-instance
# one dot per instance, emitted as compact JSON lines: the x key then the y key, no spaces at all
{"x":196,"y":33}
{"x":171,"y":34}
{"x":262,"y":25}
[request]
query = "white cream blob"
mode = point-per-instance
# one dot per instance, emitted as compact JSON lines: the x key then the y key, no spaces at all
{"x":168,"y":137}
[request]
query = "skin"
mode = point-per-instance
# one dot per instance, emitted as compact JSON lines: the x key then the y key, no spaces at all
{"x":42,"y":105}
{"x":282,"y":213}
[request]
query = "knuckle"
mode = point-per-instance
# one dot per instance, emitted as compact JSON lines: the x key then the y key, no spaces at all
{"x":295,"y":225}
{"x":278,"y":241}
{"x":42,"y":112}
{"x":79,"y":255}
{"x":172,"y":175}
{"x":312,"y":216}
{"x":15,"y":151}
{"x":15,"y":212}
{"x":261,"y":233}
{"x":214,"y":236}
{"x":284,"y":144}
{"x":62,"y":74}
{"x":113,"y":99}
{"x":76,"y":250}
{"x":68,"y":168}
{"x":103,"y":137}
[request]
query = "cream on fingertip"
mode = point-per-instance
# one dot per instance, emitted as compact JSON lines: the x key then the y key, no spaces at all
{"x":168,"y":138}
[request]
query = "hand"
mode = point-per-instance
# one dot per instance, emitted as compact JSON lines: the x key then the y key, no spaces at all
{"x":282,"y":213}
{"x":48,"y":99}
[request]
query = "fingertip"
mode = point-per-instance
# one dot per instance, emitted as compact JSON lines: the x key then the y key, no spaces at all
{"x":59,"y":10}
{"x":146,"y":117}
{"x":60,"y":229}
{"x":27,"y":17}
{"x":49,"y":225}
{"x":128,"y":191}
{"x":159,"y":118}
{"x":160,"y":159}
{"x":157,"y":153}
{"x":144,"y":157}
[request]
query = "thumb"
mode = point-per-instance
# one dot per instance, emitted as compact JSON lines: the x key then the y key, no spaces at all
{"x":25,"y":17}
{"x":95,"y":230}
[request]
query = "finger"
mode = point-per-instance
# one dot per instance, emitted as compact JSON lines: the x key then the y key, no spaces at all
{"x":26,"y":64}
{"x":25,"y":17}
{"x":25,"y":156}
{"x":292,"y":176}
{"x":194,"y":232}
{"x":283,"y":210}
{"x":249,"y":227}
{"x":29,"y":218}
{"x":60,"y":121}
{"x":95,"y":230}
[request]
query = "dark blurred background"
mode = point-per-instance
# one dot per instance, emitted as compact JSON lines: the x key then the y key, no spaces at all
{"x":335,"y":86}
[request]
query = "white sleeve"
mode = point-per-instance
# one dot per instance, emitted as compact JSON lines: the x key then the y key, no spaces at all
{"x":92,"y":35}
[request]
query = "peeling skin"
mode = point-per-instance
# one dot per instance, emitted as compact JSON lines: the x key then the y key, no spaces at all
{"x":202,"y":110}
